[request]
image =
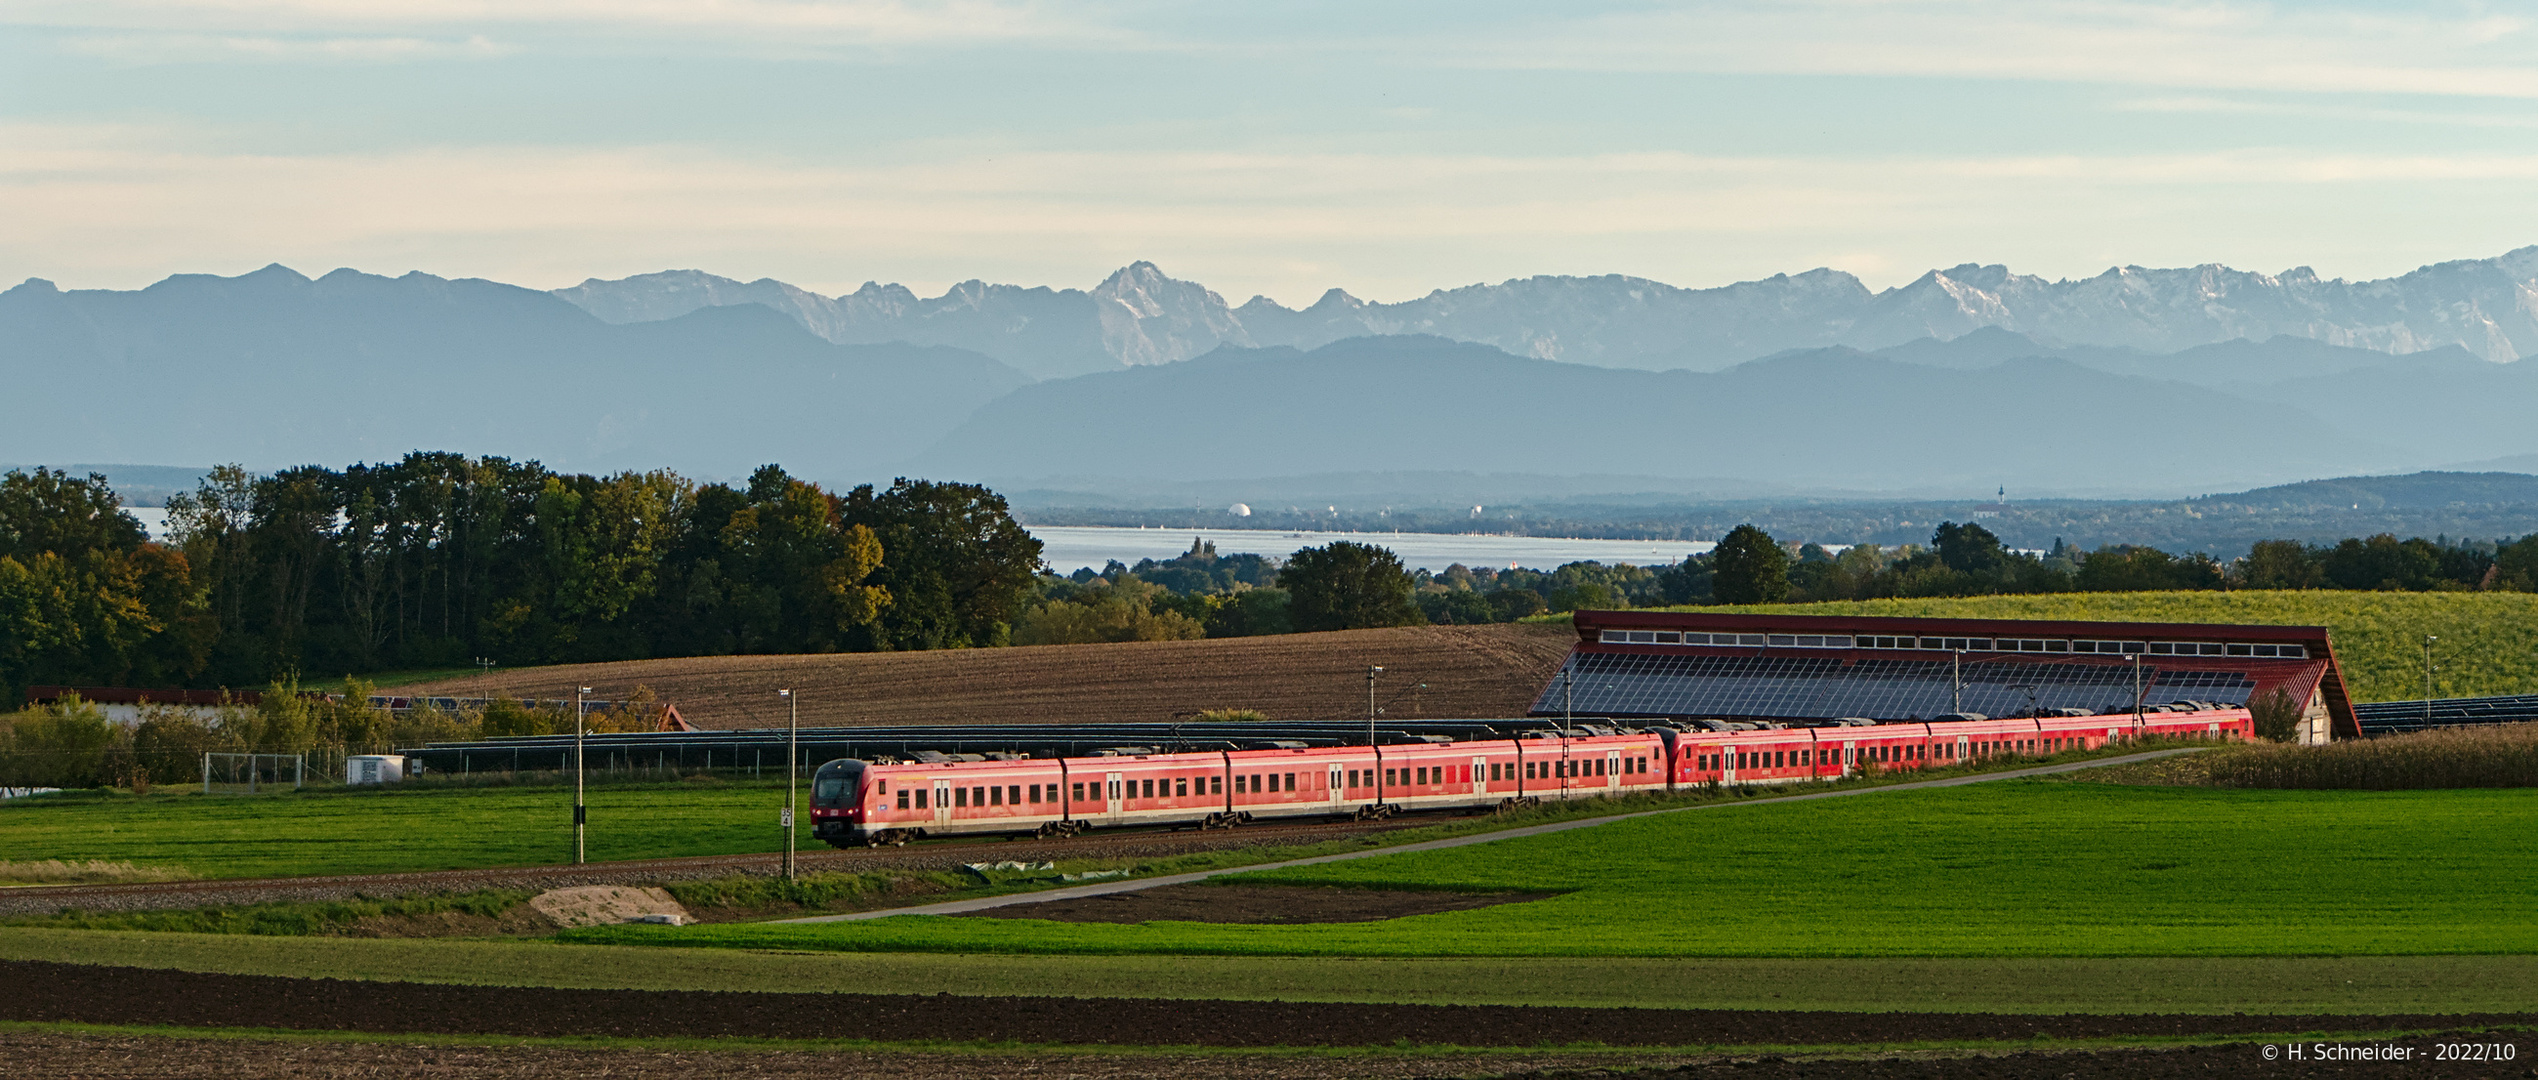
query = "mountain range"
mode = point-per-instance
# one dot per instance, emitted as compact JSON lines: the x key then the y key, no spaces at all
{"x":1173,"y":388}
{"x":1139,"y":315}
{"x":274,"y":369}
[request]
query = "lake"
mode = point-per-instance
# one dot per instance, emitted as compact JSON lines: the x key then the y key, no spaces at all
{"x":1069,"y":546}
{"x":1066,"y":547}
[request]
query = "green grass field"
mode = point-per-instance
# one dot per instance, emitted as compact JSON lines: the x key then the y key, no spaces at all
{"x":2001,"y":870}
{"x":2026,"y":984}
{"x":2489,"y":641}
{"x":369,"y":831}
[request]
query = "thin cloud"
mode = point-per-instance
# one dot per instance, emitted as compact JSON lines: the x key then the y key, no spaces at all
{"x":787,"y":23}
{"x":125,"y":205}
{"x":213,"y":48}
{"x":2210,"y":46}
{"x":2203,"y":105}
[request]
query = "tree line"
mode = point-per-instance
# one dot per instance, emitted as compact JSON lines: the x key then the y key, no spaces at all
{"x":438,"y":559}
{"x":1750,"y":567}
{"x":1203,"y":594}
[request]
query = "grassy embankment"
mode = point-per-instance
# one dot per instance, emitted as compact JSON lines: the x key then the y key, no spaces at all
{"x":1994,"y":870}
{"x":2489,"y":641}
{"x":387,"y":830}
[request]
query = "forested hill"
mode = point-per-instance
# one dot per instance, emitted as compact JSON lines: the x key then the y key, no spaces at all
{"x":1832,"y":418}
{"x":276,"y":369}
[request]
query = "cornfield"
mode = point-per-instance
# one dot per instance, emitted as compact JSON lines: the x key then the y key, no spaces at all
{"x":2500,"y":756}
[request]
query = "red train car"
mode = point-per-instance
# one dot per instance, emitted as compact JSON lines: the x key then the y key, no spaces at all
{"x":856,"y":802}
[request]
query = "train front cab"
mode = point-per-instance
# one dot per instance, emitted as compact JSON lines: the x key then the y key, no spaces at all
{"x":838,"y":803}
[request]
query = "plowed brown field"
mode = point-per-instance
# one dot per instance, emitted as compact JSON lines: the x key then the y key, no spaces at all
{"x":1470,"y":671}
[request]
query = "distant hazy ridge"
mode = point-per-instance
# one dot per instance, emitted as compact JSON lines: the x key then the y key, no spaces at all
{"x":1141,"y":316}
{"x":2132,"y":383}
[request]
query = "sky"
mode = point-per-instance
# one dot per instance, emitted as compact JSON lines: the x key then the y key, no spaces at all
{"x":1278,"y":149}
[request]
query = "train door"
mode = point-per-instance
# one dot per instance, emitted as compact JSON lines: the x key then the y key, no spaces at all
{"x":1480,"y":776}
{"x":1728,"y":756}
{"x":1336,"y":794}
{"x":1112,"y":801}
{"x":1612,"y":769}
{"x":942,"y":803}
{"x":1850,"y":757}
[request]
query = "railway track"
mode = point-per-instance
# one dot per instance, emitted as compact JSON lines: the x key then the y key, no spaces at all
{"x":940,"y":855}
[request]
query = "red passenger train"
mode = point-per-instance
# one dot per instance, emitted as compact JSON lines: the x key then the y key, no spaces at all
{"x":858,"y":803}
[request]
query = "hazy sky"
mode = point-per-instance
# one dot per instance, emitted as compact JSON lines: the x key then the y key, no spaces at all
{"x":1279,"y":148}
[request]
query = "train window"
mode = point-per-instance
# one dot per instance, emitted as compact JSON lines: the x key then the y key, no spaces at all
{"x":903,"y":798}
{"x":920,"y":799}
{"x":884,"y":788}
{"x":1181,"y":788}
{"x":1423,"y":776}
{"x":1602,"y":764}
{"x":1149,"y":789}
{"x":996,"y":796}
{"x":978,"y":796}
{"x":960,"y":796}
{"x":1216,"y":785}
{"x":1291,"y":781}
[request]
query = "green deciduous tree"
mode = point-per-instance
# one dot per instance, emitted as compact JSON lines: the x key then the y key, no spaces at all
{"x":1348,"y":586}
{"x":1749,"y":567}
{"x":957,"y":566}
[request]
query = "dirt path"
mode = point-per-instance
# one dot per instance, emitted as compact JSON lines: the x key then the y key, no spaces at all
{"x":40,"y":991}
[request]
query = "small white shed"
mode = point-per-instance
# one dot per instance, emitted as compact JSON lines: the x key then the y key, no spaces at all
{"x":374,"y":769}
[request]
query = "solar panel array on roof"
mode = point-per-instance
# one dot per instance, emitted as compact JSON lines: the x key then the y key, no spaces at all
{"x":1817,"y":687}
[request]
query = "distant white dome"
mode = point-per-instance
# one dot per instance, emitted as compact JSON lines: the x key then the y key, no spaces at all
{"x":1239,"y":510}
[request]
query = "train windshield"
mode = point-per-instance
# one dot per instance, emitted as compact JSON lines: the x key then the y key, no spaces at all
{"x":837,"y":783}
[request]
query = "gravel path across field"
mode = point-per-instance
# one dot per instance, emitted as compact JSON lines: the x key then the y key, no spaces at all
{"x":1080,"y":892}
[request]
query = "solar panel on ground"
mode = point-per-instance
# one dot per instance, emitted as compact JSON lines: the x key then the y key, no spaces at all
{"x":2390,"y":717}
